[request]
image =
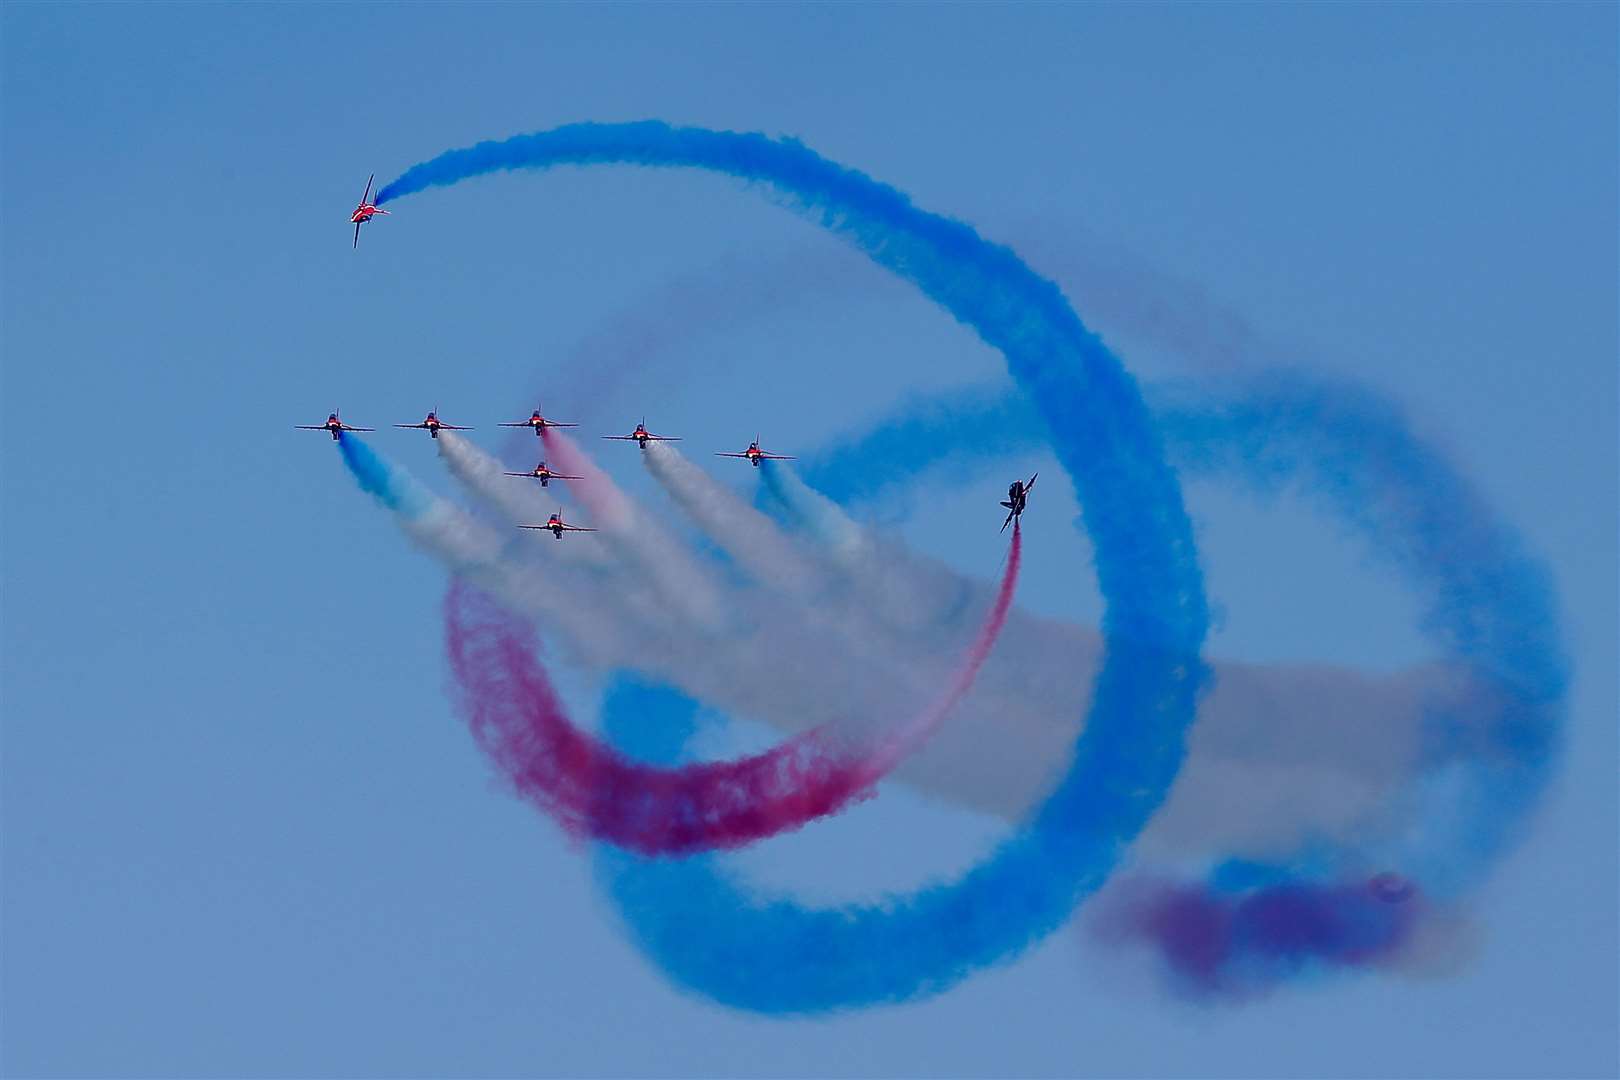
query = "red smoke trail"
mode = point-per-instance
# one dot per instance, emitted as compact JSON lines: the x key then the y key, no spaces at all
{"x":602,"y":498}
{"x":596,"y":792}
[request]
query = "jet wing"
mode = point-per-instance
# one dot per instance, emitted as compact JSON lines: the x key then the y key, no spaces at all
{"x":1010,"y":516}
{"x":663,"y":438}
{"x":720,"y":453}
{"x":311,"y":427}
{"x":367,"y":194}
{"x":452,"y":427}
{"x":346,"y":427}
{"x":422,"y":425}
{"x":624,"y":438}
{"x":576,"y":528}
{"x":356,"y":234}
{"x":777,"y":457}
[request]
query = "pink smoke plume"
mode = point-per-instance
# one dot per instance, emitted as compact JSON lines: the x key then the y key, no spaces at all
{"x":602,"y":498}
{"x":594,"y":791}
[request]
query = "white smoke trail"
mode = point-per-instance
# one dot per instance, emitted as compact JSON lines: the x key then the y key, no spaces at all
{"x":681,"y":590}
{"x":519,"y":500}
{"x":762,"y":663}
{"x":752,"y":540}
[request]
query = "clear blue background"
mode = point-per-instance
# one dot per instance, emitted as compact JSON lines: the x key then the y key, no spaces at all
{"x":243,"y":833}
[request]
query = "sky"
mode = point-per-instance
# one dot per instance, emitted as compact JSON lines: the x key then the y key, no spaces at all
{"x":244,"y":832}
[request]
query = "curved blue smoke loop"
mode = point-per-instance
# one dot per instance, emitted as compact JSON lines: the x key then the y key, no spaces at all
{"x":788,"y":959}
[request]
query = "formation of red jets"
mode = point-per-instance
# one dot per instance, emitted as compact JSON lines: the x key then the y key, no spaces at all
{"x":541,"y":472}
{"x":1017,"y":494}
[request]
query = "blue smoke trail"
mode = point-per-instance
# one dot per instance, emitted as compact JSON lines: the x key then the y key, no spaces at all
{"x":396,"y":490}
{"x":962,"y":430}
{"x":781,"y":958}
{"x":788,"y":497}
{"x":1487,"y":603}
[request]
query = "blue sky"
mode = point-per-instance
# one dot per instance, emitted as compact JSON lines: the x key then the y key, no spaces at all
{"x":243,"y":831}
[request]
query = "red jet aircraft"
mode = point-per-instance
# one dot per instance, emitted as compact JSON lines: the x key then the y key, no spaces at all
{"x":557,"y":526}
{"x":334,"y":425}
{"x":641,"y":436}
{"x":1017,"y":496}
{"x":538,"y":422}
{"x":755,"y":455}
{"x":545,"y":475}
{"x":365,"y":211}
{"x":432,"y":426}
